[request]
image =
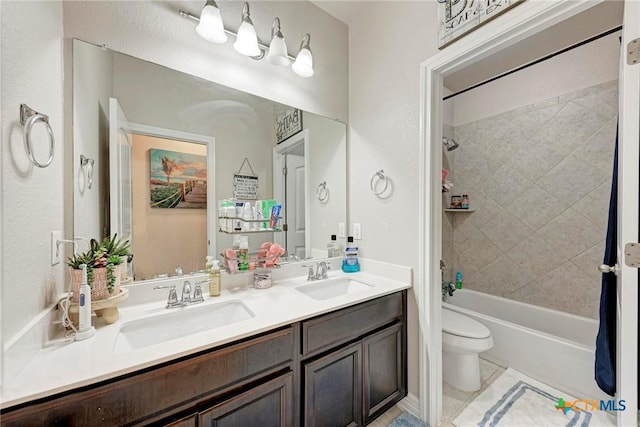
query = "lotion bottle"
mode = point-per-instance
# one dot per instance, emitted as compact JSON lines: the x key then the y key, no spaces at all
{"x":214,"y":279}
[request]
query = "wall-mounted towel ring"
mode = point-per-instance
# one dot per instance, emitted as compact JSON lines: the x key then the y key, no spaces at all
{"x":87,"y":166}
{"x":28,"y":118}
{"x":322,"y":192}
{"x":376,"y":179}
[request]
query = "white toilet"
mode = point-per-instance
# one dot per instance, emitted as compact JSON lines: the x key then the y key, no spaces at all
{"x":462,"y":339}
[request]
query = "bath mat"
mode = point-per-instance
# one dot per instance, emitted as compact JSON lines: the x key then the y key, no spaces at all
{"x":405,"y":419}
{"x":517,"y":400}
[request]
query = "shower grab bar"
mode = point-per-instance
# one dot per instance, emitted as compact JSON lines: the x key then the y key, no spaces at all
{"x":28,"y":118}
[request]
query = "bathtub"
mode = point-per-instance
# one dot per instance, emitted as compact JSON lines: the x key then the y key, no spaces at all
{"x":550,"y":346}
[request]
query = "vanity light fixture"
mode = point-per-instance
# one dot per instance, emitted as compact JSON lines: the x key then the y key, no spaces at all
{"x":303,"y":65}
{"x":278,"y":48}
{"x":247,"y":39}
{"x":211,"y":28}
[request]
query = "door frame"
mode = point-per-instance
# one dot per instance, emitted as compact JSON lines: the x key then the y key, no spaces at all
{"x":210,"y":142}
{"x":519,"y":23}
{"x":279,"y":152}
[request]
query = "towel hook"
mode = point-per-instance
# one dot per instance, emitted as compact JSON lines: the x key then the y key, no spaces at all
{"x":87,"y":166}
{"x":377,"y":178}
{"x":322,"y":192}
{"x":28,"y":118}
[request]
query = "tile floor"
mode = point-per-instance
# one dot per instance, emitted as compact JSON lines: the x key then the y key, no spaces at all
{"x":453,"y":400}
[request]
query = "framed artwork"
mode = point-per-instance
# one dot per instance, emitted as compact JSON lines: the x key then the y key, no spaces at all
{"x":177,"y":180}
{"x":459,"y":17}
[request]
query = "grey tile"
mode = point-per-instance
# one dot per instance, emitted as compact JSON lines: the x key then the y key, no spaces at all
{"x":505,"y":230}
{"x":589,"y":260}
{"x":479,"y":248}
{"x":533,"y":294}
{"x":536,"y":158}
{"x":573,"y":125}
{"x":569,"y":287}
{"x":572,"y":179}
{"x":534,"y":257}
{"x":570,"y":234}
{"x":535,"y":207}
{"x":595,"y":206}
{"x":591,"y":311}
{"x":502,"y":276}
{"x":602,"y":98}
{"x":598,"y":150}
{"x":533,"y":117}
{"x":506,"y":184}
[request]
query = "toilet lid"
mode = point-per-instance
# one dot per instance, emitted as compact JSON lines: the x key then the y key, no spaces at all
{"x":463,"y":326}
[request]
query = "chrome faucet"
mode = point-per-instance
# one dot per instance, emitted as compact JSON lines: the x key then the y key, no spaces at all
{"x":185,"y":299}
{"x":448,"y":287}
{"x":321,"y":271}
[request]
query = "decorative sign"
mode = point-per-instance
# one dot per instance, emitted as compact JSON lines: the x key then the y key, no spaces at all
{"x":288,"y":124}
{"x":459,"y":17}
{"x":245,"y":187}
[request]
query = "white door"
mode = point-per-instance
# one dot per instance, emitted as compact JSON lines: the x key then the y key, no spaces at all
{"x":628,"y":216}
{"x":120,"y":189}
{"x":295,"y":205}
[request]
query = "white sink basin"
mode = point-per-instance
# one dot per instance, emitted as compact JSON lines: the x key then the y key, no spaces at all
{"x":179,"y":322}
{"x":332,"y":288}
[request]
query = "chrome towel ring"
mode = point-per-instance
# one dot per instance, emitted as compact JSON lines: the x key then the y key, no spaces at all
{"x":322,"y":192}
{"x":28,"y":118}
{"x":87,"y":166}
{"x":376,"y":179}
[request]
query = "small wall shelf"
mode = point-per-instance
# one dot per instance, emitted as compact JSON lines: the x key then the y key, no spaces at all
{"x":460,"y":210}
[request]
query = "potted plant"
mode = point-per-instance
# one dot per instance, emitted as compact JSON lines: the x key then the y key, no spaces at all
{"x":103,"y":260}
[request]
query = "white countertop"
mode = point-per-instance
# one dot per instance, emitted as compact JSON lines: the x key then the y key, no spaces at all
{"x":62,"y":365}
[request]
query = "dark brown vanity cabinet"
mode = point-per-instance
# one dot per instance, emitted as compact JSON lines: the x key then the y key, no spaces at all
{"x":341,"y":368}
{"x":364,"y":371}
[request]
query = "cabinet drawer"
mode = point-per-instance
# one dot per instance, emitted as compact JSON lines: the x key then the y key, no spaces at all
{"x":329,"y":330}
{"x":152,"y":395}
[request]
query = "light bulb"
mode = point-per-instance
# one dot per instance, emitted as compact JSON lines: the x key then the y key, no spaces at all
{"x":278,"y":54}
{"x":303,"y":65}
{"x":247,"y":40}
{"x":211,"y":27}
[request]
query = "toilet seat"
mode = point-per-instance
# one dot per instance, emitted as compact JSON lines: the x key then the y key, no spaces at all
{"x":457,"y":324}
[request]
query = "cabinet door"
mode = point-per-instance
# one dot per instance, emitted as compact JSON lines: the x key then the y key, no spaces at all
{"x":332,"y":386}
{"x":267,"y":405}
{"x":188,"y":421}
{"x":384,"y":371}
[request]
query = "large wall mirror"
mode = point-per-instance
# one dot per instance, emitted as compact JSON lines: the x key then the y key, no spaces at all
{"x":155,"y":149}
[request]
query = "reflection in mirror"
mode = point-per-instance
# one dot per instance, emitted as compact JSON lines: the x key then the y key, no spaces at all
{"x":164,"y":108}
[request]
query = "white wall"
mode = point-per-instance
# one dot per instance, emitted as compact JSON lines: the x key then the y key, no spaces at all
{"x":387,"y":42}
{"x":584,"y":66}
{"x":153,"y":30}
{"x":32,"y":198}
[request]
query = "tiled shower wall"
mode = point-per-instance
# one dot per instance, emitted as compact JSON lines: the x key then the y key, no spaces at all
{"x":539,"y":179}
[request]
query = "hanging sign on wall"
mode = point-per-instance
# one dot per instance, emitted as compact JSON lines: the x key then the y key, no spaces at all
{"x":245,"y":186}
{"x":288,"y":124}
{"x":459,"y":17}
